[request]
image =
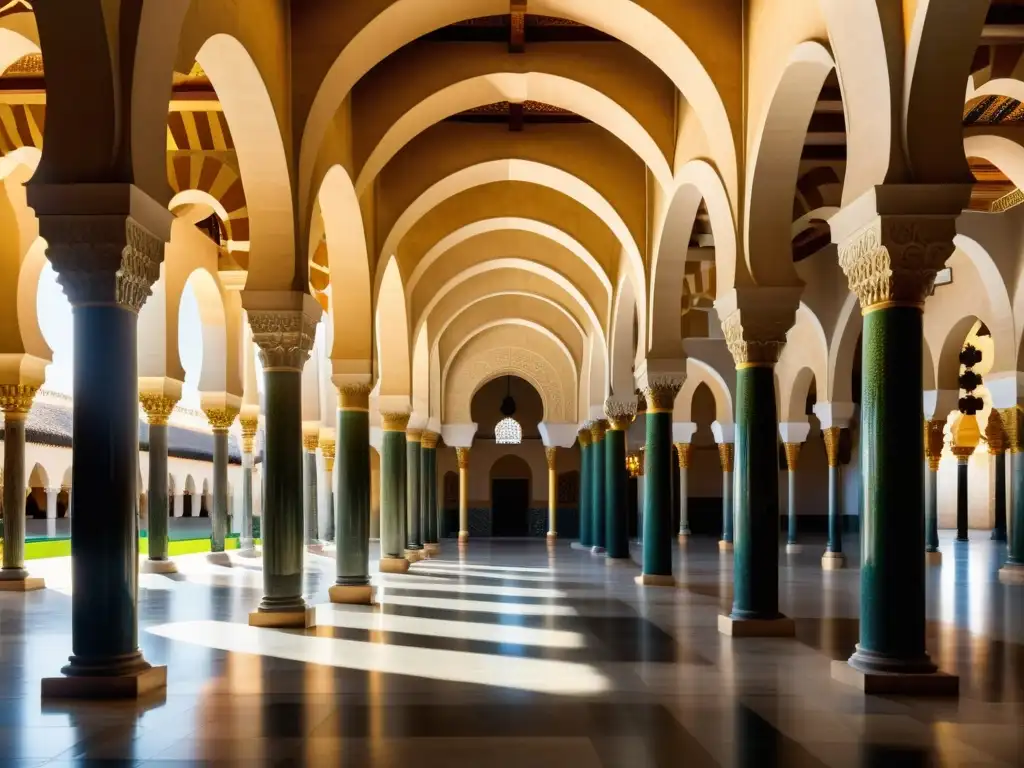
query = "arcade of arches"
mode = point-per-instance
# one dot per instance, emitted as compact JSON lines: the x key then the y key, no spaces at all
{"x":751,"y":271}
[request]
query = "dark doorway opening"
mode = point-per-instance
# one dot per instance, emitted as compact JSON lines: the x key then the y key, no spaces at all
{"x":510,"y":507}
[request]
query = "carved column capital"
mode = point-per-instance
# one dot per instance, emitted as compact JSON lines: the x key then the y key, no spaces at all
{"x":792,"y":455}
{"x":995,"y":435}
{"x":158,"y":408}
{"x":725,"y":456}
{"x":250,"y":425}
{"x":16,"y":400}
{"x":551,"y":455}
{"x":327,"y":448}
{"x":598,"y":428}
{"x":414,"y":436}
{"x":429,"y":439}
{"x":933,"y":441}
{"x":354,"y":397}
{"x":584,"y":436}
{"x":462,"y":457}
{"x":285,"y":337}
{"x":753,"y":344}
{"x":221,"y":419}
{"x":1011,"y":423}
{"x":684,"y":451}
{"x":103,"y":259}
{"x":892,"y":260}
{"x":620,"y":413}
{"x":831,"y":436}
{"x":661,"y":390}
{"x":394,"y":422}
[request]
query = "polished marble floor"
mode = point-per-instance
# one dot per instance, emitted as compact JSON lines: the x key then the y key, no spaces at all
{"x":513,"y":656}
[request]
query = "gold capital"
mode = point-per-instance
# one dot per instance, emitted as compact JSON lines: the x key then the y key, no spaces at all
{"x":725,"y":456}
{"x":413,"y":435}
{"x":16,"y":399}
{"x":962,"y":453}
{"x":158,"y":408}
{"x":354,"y":397}
{"x":995,"y":435}
{"x":429,"y":439}
{"x":221,"y":419}
{"x":584,"y":436}
{"x":620,"y":413}
{"x":660,"y":393}
{"x":327,"y":448}
{"x":933,"y":440}
{"x":831,"y":435}
{"x":394,"y":422}
{"x":310,"y":441}
{"x":759,"y":344}
{"x":683,"y":453}
{"x":250,"y":424}
{"x":792,"y":455}
{"x":598,"y":429}
{"x":1011,"y":423}
{"x":550,"y":454}
{"x":462,"y":457}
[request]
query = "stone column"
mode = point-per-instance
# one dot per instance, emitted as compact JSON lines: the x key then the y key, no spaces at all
{"x":16,"y":402}
{"x":724,"y":435}
{"x":462,"y":455}
{"x":1012,"y":571}
{"x":792,"y":460}
{"x":158,"y":408}
{"x":933,"y":440}
{"x":995,"y":435}
{"x":310,"y":442}
{"x":428,"y":492}
{"x":963,"y":455}
{"x":586,"y":489}
{"x":106,"y":265}
{"x":620,"y":415}
{"x":755,"y":344}
{"x":327,"y":447}
{"x":246,"y":541}
{"x":221,"y":419}
{"x":51,"y":511}
{"x":660,"y":392}
{"x":352,"y":494}
{"x":285,"y":338}
{"x":392,"y":494}
{"x":683,"y":455}
{"x":551,"y":454}
{"x":598,"y":428}
{"x":414,"y":533}
{"x":890,"y":259}
{"x":833,"y":558}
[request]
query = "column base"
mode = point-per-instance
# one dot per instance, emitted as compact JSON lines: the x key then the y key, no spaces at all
{"x":218,"y":558}
{"x":581,"y":547}
{"x":964,"y":540}
{"x":794,"y":549}
{"x":463,"y":537}
{"x":26,"y":584}
{"x":624,"y":560}
{"x":431,"y":548}
{"x":933,"y":558}
{"x":724,"y":546}
{"x":833,"y":561}
{"x":283,"y":619}
{"x":158,"y":566}
{"x":655,"y":580}
{"x":414,"y":555}
{"x":132,"y":685}
{"x":782,"y":626}
{"x":683,"y":538}
{"x":552,"y":536}
{"x":393,"y":565}
{"x":1011,"y":573}
{"x":896,"y":683}
{"x":595,"y":550}
{"x":346,"y":594}
{"x":250,"y":553}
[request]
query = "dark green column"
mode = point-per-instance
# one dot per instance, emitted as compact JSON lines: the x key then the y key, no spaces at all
{"x":1012,"y":571}
{"x":586,"y":539}
{"x":310,"y":442}
{"x":616,"y":484}
{"x":892,"y":605}
{"x":392,"y":493}
{"x":16,"y":402}
{"x":933,"y":440}
{"x":999,"y":528}
{"x":962,"y":457}
{"x":597,"y":486}
{"x":352,"y":497}
{"x":428,"y":491}
{"x":657,"y":522}
{"x":756,"y":542}
{"x":414,"y":532}
{"x":221,"y":420}
{"x":833,"y":558}
{"x":726,"y":458}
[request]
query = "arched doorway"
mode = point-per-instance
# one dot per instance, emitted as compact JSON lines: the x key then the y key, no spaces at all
{"x":510,"y":497}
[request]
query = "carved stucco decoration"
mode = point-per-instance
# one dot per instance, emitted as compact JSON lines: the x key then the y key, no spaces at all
{"x":754,"y":343}
{"x":471,"y":373}
{"x":895,"y":258}
{"x":285,"y":338}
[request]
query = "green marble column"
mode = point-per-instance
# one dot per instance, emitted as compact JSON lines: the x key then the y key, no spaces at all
{"x":158,"y":410}
{"x":657,"y":520}
{"x":16,"y":402}
{"x":683,"y":453}
{"x":726,"y":458}
{"x":414,"y":531}
{"x":246,"y":542}
{"x":221,"y":420}
{"x":995,"y":436}
{"x":1012,"y":571}
{"x":756,"y":543}
{"x":586,"y":486}
{"x":352,"y":497}
{"x":963,"y":455}
{"x":428,"y":489}
{"x":393,"y":535}
{"x":833,"y":557}
{"x":616,"y":484}
{"x":598,"y":429}
{"x":892,"y":606}
{"x":310,"y":442}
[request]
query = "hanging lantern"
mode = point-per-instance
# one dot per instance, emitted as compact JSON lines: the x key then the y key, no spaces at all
{"x":508,"y":431}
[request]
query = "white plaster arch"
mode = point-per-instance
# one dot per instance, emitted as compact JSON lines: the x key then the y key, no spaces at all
{"x":558,"y":91}
{"x":622,"y":353}
{"x":806,"y":349}
{"x":213,"y":320}
{"x":392,"y":333}
{"x":698,"y":372}
{"x":195,"y":205}
{"x":37,"y":477}
{"x":793,"y":393}
{"x":842,"y":352}
{"x":1000,"y":315}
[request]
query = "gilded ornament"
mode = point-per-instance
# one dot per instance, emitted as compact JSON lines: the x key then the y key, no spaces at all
{"x":221,"y":419}
{"x":327,"y":448}
{"x":158,"y":408}
{"x":462,"y":457}
{"x":753,"y":348}
{"x":962,"y":453}
{"x":598,"y":428}
{"x":429,"y":439}
{"x":584,"y":436}
{"x":394,"y":422}
{"x":285,"y":338}
{"x":550,"y":454}
{"x":660,"y":392}
{"x":414,"y":435}
{"x":792,"y":455}
{"x":683,"y":453}
{"x":250,"y":424}
{"x":1011,"y":424}
{"x":16,"y":399}
{"x":310,"y":441}
{"x":354,"y":397}
{"x":620,"y":413}
{"x":934,"y":438}
{"x":725,"y":456}
{"x":831,"y":435}
{"x":893,"y":260}
{"x":995,"y":435}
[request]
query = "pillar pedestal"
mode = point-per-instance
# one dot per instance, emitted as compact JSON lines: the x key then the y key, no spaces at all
{"x":352,"y":595}
{"x":833,"y":561}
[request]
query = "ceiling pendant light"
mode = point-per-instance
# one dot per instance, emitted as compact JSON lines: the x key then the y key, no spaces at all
{"x":508,"y":431}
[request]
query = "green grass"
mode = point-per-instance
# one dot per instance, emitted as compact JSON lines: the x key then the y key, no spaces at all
{"x":37,"y":549}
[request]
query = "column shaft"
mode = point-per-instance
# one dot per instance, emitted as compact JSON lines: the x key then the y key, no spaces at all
{"x":352,"y":489}
{"x":219,"y":519}
{"x":245,"y":538}
{"x":586,"y":487}
{"x":961,"y":499}
{"x":392,"y":487}
{"x":1015,"y":549}
{"x":551,"y":454}
{"x":792,"y":462}
{"x":14,"y":495}
{"x":413,"y":439}
{"x":657,"y":545}
{"x":428,"y":485}
{"x":999,"y":528}
{"x":156,"y":501}
{"x":462,"y":454}
{"x":726,"y":457}
{"x":616,"y":504}
{"x":598,"y":507}
{"x":683,"y":451}
{"x":281,"y":527}
{"x":931,"y":510}
{"x":756,"y":579}
{"x":835,"y":529}
{"x":892,"y":605}
{"x":309,"y":493}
